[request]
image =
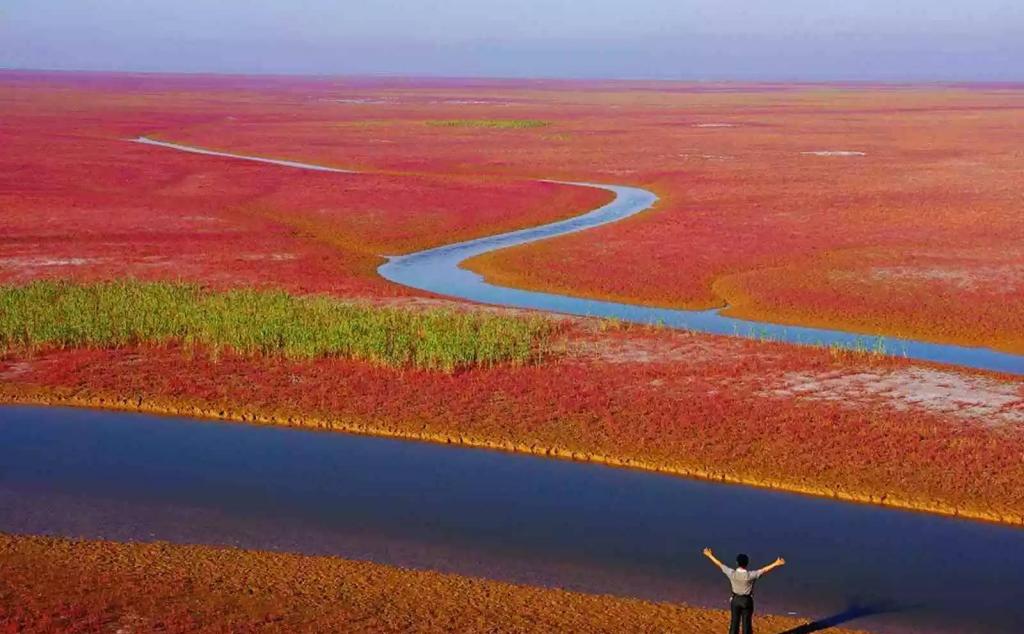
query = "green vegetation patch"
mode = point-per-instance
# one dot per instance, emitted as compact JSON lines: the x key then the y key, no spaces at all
{"x":504,"y":124}
{"x":114,"y":314}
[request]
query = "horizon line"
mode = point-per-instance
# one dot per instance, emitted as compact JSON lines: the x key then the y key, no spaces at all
{"x":513,"y":78}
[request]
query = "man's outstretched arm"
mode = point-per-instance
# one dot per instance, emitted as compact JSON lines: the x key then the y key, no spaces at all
{"x":778,"y":563}
{"x":710,"y":555}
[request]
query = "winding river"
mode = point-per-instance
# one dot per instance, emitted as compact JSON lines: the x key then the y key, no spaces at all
{"x":438,"y":271}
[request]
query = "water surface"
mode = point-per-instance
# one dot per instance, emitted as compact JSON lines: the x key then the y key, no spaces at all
{"x":120,"y":476}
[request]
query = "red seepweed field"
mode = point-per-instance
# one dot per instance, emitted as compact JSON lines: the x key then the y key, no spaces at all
{"x":82,"y":202}
{"x":881,"y":209}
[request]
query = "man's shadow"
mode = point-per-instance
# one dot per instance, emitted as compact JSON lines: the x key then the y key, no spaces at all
{"x":856,"y":610}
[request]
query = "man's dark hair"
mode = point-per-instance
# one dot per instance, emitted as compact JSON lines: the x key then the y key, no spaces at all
{"x":742,"y":560}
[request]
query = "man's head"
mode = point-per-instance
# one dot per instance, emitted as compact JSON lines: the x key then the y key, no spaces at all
{"x":742,"y":560}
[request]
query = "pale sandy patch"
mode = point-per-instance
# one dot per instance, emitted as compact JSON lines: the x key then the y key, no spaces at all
{"x":12,"y":370}
{"x":473,"y":102}
{"x":640,"y":351}
{"x":1007,"y":277}
{"x":681,"y":348}
{"x":986,"y":400}
{"x":708,"y":157}
{"x":358,"y":100}
{"x":834,"y":153}
{"x":714,"y":125}
{"x":41,"y":262}
{"x":270,"y":257}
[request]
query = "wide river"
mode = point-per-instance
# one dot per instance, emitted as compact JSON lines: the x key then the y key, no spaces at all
{"x":99,"y":474}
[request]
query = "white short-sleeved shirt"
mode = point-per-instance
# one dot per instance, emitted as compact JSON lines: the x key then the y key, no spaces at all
{"x":741,"y":579}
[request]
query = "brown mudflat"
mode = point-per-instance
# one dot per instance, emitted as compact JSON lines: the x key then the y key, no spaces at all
{"x":60,"y":585}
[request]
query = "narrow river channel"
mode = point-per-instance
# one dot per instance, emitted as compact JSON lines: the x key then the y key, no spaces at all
{"x":439,"y":271}
{"x":99,"y":474}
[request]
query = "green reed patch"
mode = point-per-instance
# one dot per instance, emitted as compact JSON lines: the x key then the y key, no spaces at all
{"x":504,"y":124}
{"x":114,"y":314}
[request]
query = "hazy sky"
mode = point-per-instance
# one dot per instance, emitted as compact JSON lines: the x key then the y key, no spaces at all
{"x":688,"y":39}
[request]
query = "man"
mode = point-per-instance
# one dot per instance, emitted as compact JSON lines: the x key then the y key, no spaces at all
{"x":742,"y":580}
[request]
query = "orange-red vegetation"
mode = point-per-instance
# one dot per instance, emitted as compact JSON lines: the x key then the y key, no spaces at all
{"x":889,"y":210}
{"x":80,"y":201}
{"x":769,"y":414}
{"x":50,"y":585}
{"x":913,"y":229}
{"x":915,"y":232}
{"x":882,"y":209}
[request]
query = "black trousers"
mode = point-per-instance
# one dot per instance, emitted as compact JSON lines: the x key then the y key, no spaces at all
{"x":742,"y":608}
